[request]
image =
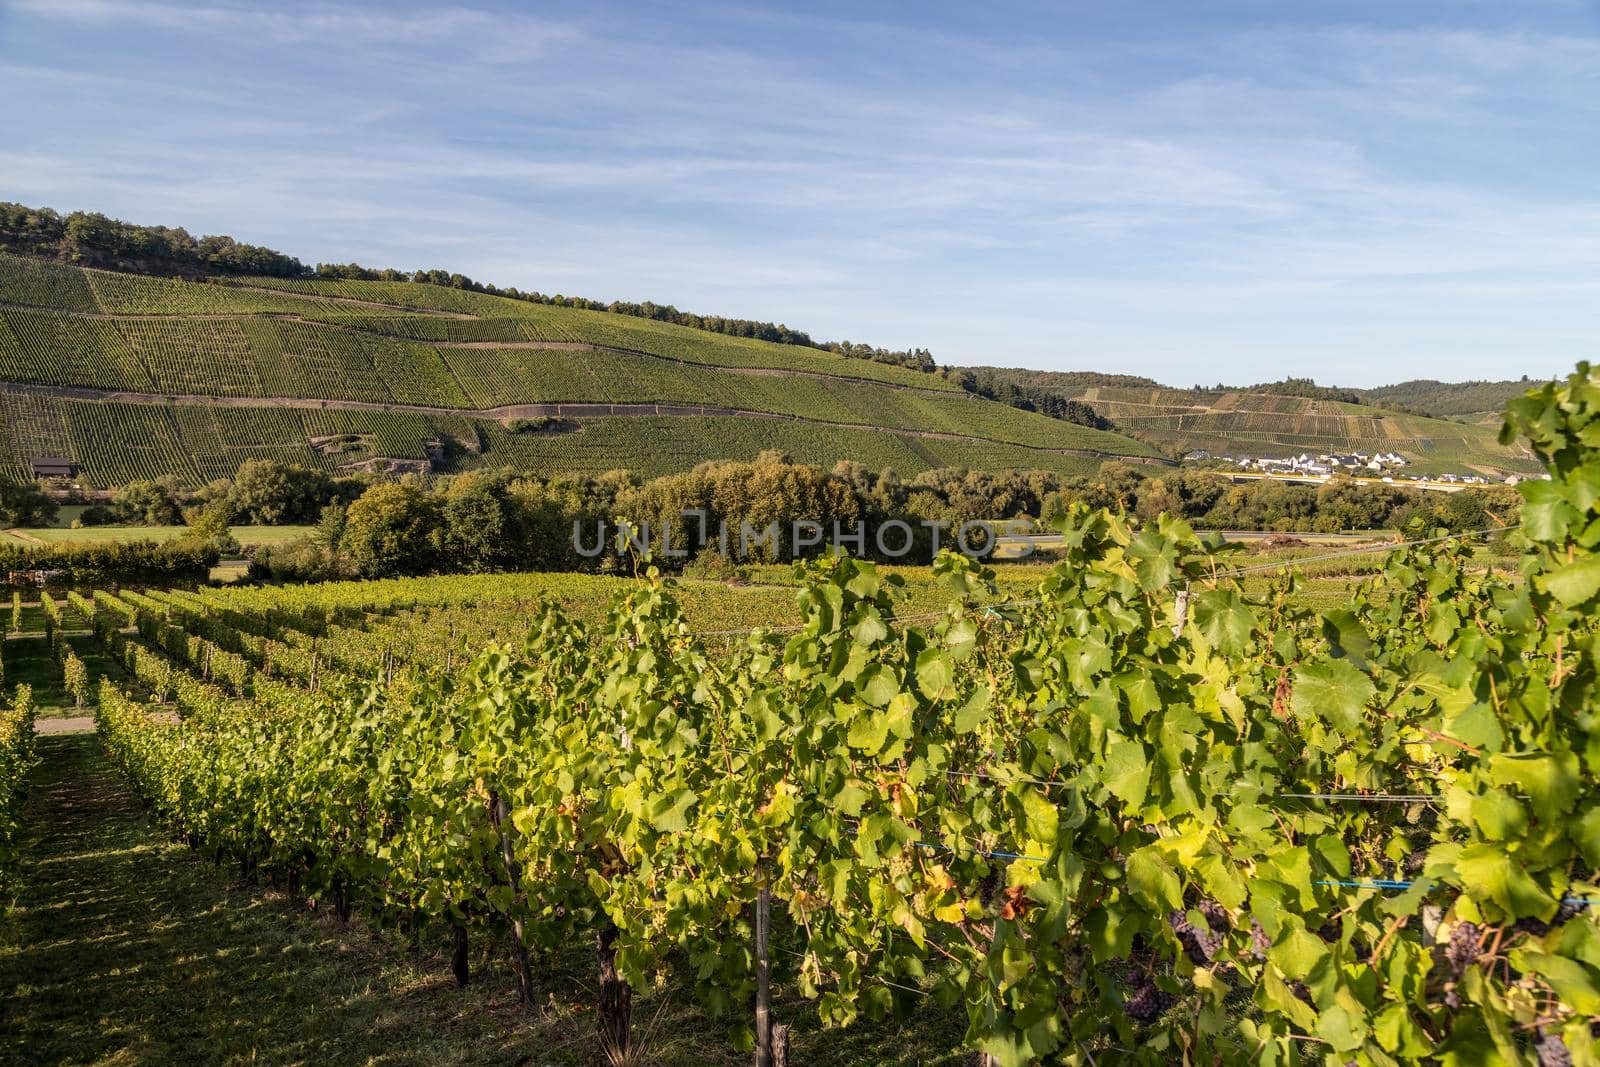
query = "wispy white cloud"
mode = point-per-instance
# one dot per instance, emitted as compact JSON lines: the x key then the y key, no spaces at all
{"x":493,"y":36}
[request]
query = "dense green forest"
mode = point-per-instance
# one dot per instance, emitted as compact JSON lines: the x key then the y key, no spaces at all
{"x":1448,"y":399}
{"x":1047,"y":389}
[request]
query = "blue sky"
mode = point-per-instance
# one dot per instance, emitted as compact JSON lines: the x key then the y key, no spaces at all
{"x":1197,"y":191}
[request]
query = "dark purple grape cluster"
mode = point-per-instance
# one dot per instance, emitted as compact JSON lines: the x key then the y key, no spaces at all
{"x":1553,"y":1051}
{"x":1259,"y":941}
{"x":1199,"y":943}
{"x":987,"y":886}
{"x":1463,"y":946}
{"x":1538,"y":928}
{"x":1147,"y":1002}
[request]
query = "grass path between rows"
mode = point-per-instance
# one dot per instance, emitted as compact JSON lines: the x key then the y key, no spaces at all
{"x":127,"y":948}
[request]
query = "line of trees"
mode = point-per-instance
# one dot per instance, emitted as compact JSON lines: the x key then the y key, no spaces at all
{"x":1209,"y":501}
{"x":488,"y":521}
{"x":501,"y":520}
{"x":1001,"y":386}
{"x":25,"y":504}
{"x":91,"y":239}
{"x":185,"y":561}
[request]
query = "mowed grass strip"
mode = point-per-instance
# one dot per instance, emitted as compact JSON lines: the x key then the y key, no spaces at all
{"x":88,"y":535}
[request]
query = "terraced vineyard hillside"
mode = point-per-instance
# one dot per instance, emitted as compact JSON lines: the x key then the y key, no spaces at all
{"x":1262,"y":424}
{"x":136,"y":376}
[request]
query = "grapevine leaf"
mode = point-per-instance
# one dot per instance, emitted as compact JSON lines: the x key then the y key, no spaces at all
{"x":849,"y":799}
{"x":869,"y":731}
{"x":1587,"y":836}
{"x":1030,"y":673}
{"x":1109,"y":935}
{"x":1153,"y":880}
{"x":1477,"y":726}
{"x":1550,"y":780}
{"x":1043,"y":817}
{"x":1333,"y":691}
{"x":1545,"y":512}
{"x":1341,"y":1028}
{"x":1009,"y":1049}
{"x":1489,"y":872}
{"x":668,"y":810}
{"x":1224,"y":619}
{"x":879,"y":687}
{"x":1577,"y":986}
{"x":1221,"y":880}
{"x":935,"y":677}
{"x":1281,"y":998}
{"x":870,"y":630}
{"x":1126,"y":772}
{"x":1576,"y":582}
{"x":1297,"y":951}
{"x":961,"y":637}
{"x":975,"y":712}
{"x":1347,"y":636}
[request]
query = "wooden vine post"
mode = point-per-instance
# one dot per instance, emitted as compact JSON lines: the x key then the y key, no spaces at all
{"x":772,"y":1040}
{"x":499,"y":810}
{"x":458,"y":954}
{"x":1182,"y":611}
{"x":614,"y":1016}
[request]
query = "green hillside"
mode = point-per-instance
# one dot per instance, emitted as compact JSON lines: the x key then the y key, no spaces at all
{"x":136,"y":376}
{"x":1452,"y":399}
{"x":1263,"y":424}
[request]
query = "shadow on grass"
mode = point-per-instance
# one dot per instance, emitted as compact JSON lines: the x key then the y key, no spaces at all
{"x":125,"y":948}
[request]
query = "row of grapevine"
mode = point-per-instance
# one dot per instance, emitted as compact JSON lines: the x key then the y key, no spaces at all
{"x":18,"y":754}
{"x":415,"y":373}
{"x":51,"y":349}
{"x":141,"y":294}
{"x":654,"y":445}
{"x":42,"y":283}
{"x":550,"y":323}
{"x":1116,"y":839}
{"x":199,"y":357}
{"x":38,"y":283}
{"x":74,"y":675}
{"x":120,"y":442}
{"x":30,"y":426}
{"x":397,"y":295}
{"x":274,"y":358}
{"x":440,"y":328}
{"x":1115,"y":830}
{"x":159,"y":671}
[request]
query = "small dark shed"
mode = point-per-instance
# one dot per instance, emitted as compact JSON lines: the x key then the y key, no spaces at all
{"x":53,"y":467}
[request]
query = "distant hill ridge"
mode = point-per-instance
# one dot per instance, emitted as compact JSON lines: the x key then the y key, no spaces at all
{"x":424,"y":371}
{"x":136,"y":376}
